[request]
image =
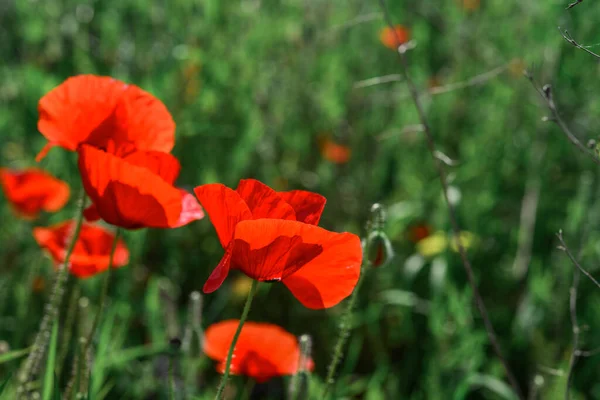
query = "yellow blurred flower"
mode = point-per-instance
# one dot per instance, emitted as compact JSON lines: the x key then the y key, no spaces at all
{"x":438,"y":243}
{"x":433,"y":245}
{"x":241,"y":286}
{"x":516,"y":67}
{"x":467,"y":239}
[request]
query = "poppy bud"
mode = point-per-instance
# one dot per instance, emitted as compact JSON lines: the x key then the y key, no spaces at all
{"x":377,"y":246}
{"x":380,"y":250}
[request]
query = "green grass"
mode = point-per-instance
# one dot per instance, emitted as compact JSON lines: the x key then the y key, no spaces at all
{"x":253,"y":86}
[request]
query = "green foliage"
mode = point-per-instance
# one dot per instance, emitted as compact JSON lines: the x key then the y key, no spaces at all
{"x":254,"y":85}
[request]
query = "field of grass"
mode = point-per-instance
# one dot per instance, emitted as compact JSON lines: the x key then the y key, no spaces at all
{"x":302,"y":94}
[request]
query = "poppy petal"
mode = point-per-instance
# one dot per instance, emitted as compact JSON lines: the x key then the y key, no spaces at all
{"x":70,"y":112}
{"x":91,"y":254}
{"x":330,"y":277}
{"x":190,"y":209}
{"x":263,"y":351}
{"x":217,"y":277}
{"x":140,"y":119}
{"x":127,"y":195}
{"x":162,"y":164}
{"x":224,"y":207}
{"x":272,"y":249}
{"x":91,"y":213}
{"x":263,"y":201}
{"x":307,"y":205}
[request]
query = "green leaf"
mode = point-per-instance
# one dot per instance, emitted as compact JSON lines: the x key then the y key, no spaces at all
{"x":12,"y":355}
{"x":5,"y":383}
{"x":57,"y":395}
{"x":49,"y":373}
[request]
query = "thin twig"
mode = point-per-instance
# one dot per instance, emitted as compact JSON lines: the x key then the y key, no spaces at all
{"x":574,"y":4}
{"x":576,"y":330}
{"x":567,"y":36}
{"x":563,"y":247}
{"x":378,"y":80}
{"x":474,"y":81}
{"x":453,"y":220}
{"x":546,"y":93}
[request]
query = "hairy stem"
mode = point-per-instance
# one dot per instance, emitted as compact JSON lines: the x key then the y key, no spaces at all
{"x":32,"y":365}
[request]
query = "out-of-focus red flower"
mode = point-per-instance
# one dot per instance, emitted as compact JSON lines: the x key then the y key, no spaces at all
{"x":263,"y":351}
{"x":137,"y":190}
{"x":103,"y":112}
{"x":30,"y":191}
{"x":470,"y":5}
{"x":334,"y":152}
{"x":418,"y":232}
{"x":392,"y":38}
{"x":92,"y":250}
{"x":272,"y":236}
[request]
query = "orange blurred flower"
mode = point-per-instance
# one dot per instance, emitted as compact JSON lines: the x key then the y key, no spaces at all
{"x":31,"y":190}
{"x":394,"y":38}
{"x":92,"y":250}
{"x":263,"y":351}
{"x":334,"y":152}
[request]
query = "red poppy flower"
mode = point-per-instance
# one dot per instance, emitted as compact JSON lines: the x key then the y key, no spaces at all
{"x":335,"y":152}
{"x":263,"y":351}
{"x":99,"y":110}
{"x":137,"y":190}
{"x":91,"y":253}
{"x":269,"y":239}
{"x":31,"y":190}
{"x":419,"y":232}
{"x":393,"y":38}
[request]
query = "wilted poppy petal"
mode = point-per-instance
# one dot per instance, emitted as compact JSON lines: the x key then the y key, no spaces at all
{"x":91,"y":254}
{"x":32,"y":190}
{"x":162,"y":164}
{"x":307,"y":205}
{"x":127,"y":195}
{"x":190,"y":209}
{"x":331,"y":276}
{"x":73,"y":110}
{"x":217,"y":277}
{"x":224,"y":207}
{"x":263,"y":351}
{"x":272,"y":249}
{"x":263,"y":201}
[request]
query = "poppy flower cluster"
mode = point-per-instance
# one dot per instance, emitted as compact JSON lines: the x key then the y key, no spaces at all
{"x":273,"y":237}
{"x":263,"y":351}
{"x":31,"y":190}
{"x":123,"y":136}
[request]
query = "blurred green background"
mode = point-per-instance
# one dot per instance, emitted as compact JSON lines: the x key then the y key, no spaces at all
{"x":258,"y":88}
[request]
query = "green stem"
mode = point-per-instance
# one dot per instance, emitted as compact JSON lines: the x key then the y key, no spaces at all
{"x":343,"y":336}
{"x":235,"y":339}
{"x":68,"y":328}
{"x":52,"y":309}
{"x":338,"y":350}
{"x":103,"y":295}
